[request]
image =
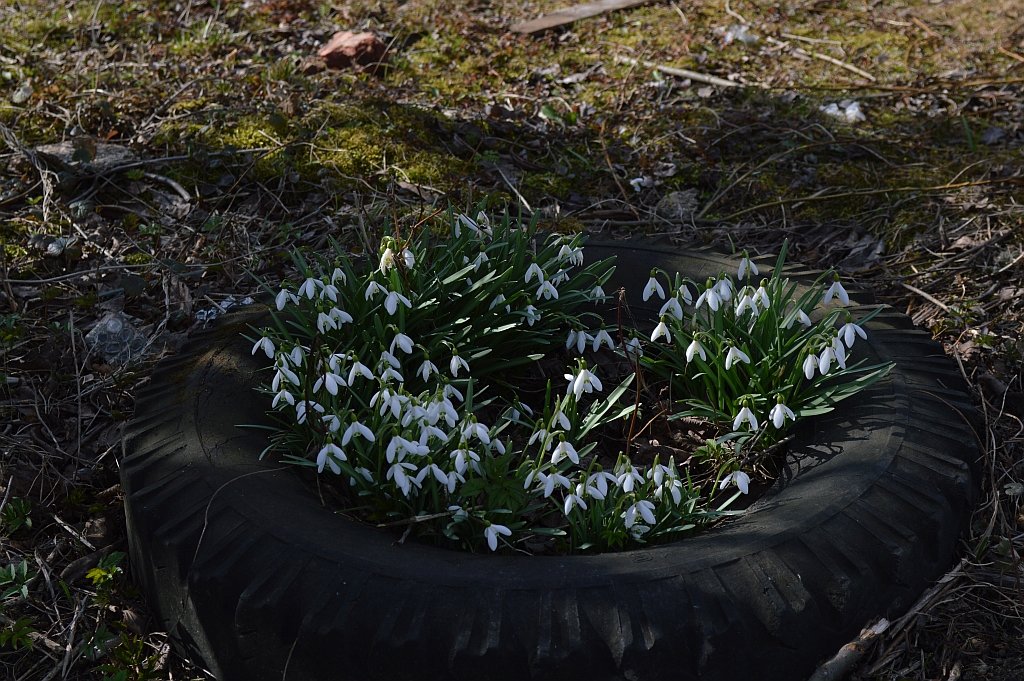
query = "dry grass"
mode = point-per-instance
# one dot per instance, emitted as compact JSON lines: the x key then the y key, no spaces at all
{"x":236,"y":152}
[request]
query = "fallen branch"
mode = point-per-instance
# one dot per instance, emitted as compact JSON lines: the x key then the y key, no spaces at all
{"x":840,"y":666}
{"x":682,"y":73}
{"x":824,"y":57}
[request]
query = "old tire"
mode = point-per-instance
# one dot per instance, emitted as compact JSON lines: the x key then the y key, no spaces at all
{"x":249,"y":572}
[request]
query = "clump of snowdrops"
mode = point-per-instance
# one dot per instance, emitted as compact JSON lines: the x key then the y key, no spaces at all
{"x":398,"y":376}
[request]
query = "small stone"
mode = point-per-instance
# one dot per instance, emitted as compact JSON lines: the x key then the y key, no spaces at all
{"x":346,"y":49}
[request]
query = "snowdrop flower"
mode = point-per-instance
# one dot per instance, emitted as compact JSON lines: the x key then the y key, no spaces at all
{"x":724,"y":289}
{"x":825,"y":360}
{"x":340,"y":317}
{"x":745,"y":415}
{"x":673,"y":308}
{"x":408,"y":259}
{"x":598,"y":294}
{"x":372,"y":289}
{"x":746,"y":303}
{"x":388,"y":400}
{"x":330,"y":292}
{"x":492,"y":531}
{"x":810,"y":364}
{"x":661,"y":330}
{"x":338,"y":276}
{"x":628,"y":477}
{"x":403,"y":342}
{"x":633,"y":347}
{"x":684,"y":293}
{"x":401,"y":478}
{"x":735,"y":355}
{"x":746,"y":267}
{"x":643,"y":508}
{"x":780,"y":413}
{"x":839,"y":352}
{"x":296,"y":355}
{"x":387,"y":260}
{"x":391,"y":302}
{"x":329,"y":455}
{"x":653,"y":286}
{"x":332,"y":422}
{"x":283,"y":373}
{"x":301,"y":409}
{"x":761,"y":297}
{"x":532,"y":315}
{"x":738,"y":478}
{"x":711,"y":297}
{"x":266,"y":345}
{"x":387,"y":359}
{"x":579,"y":339}
{"x":356,"y":428}
{"x":477,"y":430}
{"x":284,"y":297}
{"x":480,"y":259}
{"x":358,"y":369}
{"x":573,"y":499}
{"x":561,"y":420}
{"x":457,"y":363}
{"x":324,"y":322}
{"x":450,"y":390}
{"x":573,"y":255}
{"x":848,"y":333}
{"x":426,"y":369}
{"x":801,"y":317}
{"x":549,"y":481}
{"x":331,"y":381}
{"x":498,"y":300}
{"x":836,"y":291}
{"x":283,"y":396}
{"x":597,"y":484}
{"x":464,"y":458}
{"x":540,"y":435}
{"x":391,"y":373}
{"x":582,"y":382}
{"x":547,"y":291}
{"x":534,"y":270}
{"x":467,"y":222}
{"x":562,"y":450}
{"x":600,"y":338}
{"x":309,"y":287}
{"x":695,"y":348}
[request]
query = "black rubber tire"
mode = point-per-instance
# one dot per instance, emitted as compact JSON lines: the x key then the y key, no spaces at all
{"x":253,"y":575}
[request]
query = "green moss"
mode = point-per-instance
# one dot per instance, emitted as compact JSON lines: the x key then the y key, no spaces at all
{"x":137,"y":258}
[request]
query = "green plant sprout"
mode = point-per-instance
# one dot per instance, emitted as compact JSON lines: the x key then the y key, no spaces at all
{"x":463,"y":385}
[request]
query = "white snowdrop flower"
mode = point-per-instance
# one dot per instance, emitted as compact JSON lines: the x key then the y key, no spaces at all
{"x":464,"y":458}
{"x":560,"y":277}
{"x":848,"y":333}
{"x":330,"y":381}
{"x":602,"y":338}
{"x":547,"y":291}
{"x":780,"y":413}
{"x":643,"y":508}
{"x":309,"y":287}
{"x":388,"y":359}
{"x":389,"y":401}
{"x":633,"y":347}
{"x":745,"y":415}
{"x":477,"y":430}
{"x":628,"y":477}
{"x":735,"y":355}
{"x":468,"y":223}
{"x":761,"y":297}
{"x":542,"y":436}
{"x":532,"y":271}
{"x":480,"y":259}
{"x":746,"y":304}
{"x":408,"y":259}
{"x":810,"y":364}
{"x":492,"y":531}
{"x":573,"y":255}
{"x":498,"y":445}
{"x":585,"y":382}
{"x":266,"y":345}
{"x":597,"y":484}
{"x":358,"y":369}
{"x":498,"y":300}
{"x":562,"y":450}
{"x":738,"y":478}
{"x":582,"y":338}
{"x":387,"y":260}
{"x":693,"y":349}
{"x":559,"y":418}
{"x":804,"y":320}
{"x":598,"y":294}
{"x":575,"y":498}
{"x":450,"y":390}
{"x":283,"y":396}
{"x":391,"y":302}
{"x":372,"y":289}
{"x":324,"y":322}
{"x":550,"y":481}
{"x":302,"y":408}
{"x":532,"y":315}
{"x":711,"y":297}
{"x":653,"y":286}
{"x":330,"y":455}
{"x":390,"y":373}
{"x":296,"y":355}
{"x":836,"y":291}
{"x":357,"y":428}
{"x":454,"y":477}
{"x":329,"y":292}
{"x":457,"y":363}
{"x":338,"y":276}
{"x":426,"y":369}
{"x":724,"y":289}
{"x":661,"y":330}
{"x":839,"y":352}
{"x":398,"y":473}
{"x":397,"y":449}
{"x":684,"y":293}
{"x":340,"y":316}
{"x":673,"y":308}
{"x":825,"y":360}
{"x":288,"y":374}
{"x":746,"y":267}
{"x":284,"y":297}
{"x":403,"y":342}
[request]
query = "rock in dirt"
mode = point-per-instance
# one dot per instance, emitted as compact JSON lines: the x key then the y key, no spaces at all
{"x":116,"y":340}
{"x":346,"y":49}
